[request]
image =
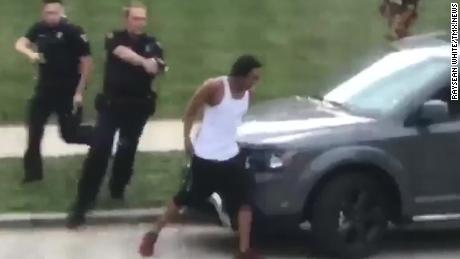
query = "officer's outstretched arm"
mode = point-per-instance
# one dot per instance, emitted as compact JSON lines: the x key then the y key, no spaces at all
{"x":126,"y":54}
{"x":25,"y":46}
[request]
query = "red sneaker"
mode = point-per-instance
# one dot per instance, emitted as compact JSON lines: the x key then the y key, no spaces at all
{"x":249,"y":254}
{"x":146,"y":249}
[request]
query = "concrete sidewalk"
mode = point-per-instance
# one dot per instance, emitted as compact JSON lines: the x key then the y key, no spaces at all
{"x":104,"y":217}
{"x":158,"y":136}
{"x":29,"y":220}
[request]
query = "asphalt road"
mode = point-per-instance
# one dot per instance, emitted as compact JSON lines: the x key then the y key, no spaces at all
{"x":200,"y":242}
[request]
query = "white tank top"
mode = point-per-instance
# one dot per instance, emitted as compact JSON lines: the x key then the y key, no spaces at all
{"x":216,"y":139}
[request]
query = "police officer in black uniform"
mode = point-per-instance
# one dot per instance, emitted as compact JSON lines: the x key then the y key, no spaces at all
{"x":127,"y":101}
{"x":62,"y":53}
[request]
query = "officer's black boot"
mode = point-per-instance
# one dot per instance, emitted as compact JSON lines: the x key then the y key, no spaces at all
{"x":33,"y":168}
{"x":117,"y":189}
{"x":75,"y":219}
{"x":77,"y":215}
{"x":118,"y":194}
{"x":88,"y":187}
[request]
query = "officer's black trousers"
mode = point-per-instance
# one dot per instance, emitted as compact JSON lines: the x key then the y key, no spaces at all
{"x":130,"y":128}
{"x":40,"y":109}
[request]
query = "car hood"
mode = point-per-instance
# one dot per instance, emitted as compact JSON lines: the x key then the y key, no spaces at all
{"x":290,"y":119}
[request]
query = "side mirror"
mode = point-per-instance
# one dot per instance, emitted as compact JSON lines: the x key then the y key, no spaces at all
{"x":433,"y":111}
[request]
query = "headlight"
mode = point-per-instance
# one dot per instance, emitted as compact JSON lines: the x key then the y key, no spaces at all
{"x":275,"y":161}
{"x":268,"y":160}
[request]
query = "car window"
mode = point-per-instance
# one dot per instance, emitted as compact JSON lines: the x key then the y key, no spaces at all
{"x":383,"y":87}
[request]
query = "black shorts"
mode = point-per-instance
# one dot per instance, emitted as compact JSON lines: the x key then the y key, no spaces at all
{"x":227,"y":178}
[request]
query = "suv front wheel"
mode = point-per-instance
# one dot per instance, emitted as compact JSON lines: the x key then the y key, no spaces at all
{"x":350,"y":216}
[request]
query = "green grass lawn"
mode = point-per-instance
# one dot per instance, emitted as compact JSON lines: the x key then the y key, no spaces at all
{"x":157,"y":177}
{"x":306,"y":45}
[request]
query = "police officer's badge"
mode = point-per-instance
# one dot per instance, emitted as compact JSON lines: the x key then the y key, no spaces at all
{"x":84,"y":37}
{"x":247,"y":163}
{"x":148,"y":48}
{"x":59,"y":35}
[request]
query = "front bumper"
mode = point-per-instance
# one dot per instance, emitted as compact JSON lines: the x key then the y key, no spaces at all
{"x":280,"y":192}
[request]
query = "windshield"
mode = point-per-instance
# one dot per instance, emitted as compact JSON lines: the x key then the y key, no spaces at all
{"x":390,"y":82}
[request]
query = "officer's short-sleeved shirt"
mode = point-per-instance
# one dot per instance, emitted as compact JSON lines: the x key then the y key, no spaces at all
{"x":123,"y":79}
{"x":62,"y":47}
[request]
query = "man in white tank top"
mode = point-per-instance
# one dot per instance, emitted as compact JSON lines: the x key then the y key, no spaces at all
{"x":216,"y":162}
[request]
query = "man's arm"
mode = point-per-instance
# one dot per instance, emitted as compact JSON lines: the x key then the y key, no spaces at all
{"x":252,"y":97}
{"x":24,"y":46}
{"x":202,"y":97}
{"x":83,"y":51}
{"x":115,"y":47}
{"x":86,"y":68}
{"x":128,"y":55}
{"x":158,"y":54}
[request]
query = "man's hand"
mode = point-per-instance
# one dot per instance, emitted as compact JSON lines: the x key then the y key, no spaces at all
{"x":151,"y":66}
{"x":77,"y":101}
{"x":35,"y":57}
{"x":188,"y":145}
{"x":26,"y":47}
{"x":162,"y":65}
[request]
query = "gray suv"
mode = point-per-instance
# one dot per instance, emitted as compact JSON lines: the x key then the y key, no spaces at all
{"x":380,"y":148}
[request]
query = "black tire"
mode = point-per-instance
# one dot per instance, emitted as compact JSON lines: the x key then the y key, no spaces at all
{"x":350,"y":216}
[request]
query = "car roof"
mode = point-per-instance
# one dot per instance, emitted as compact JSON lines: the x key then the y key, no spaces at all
{"x":428,"y":45}
{"x":416,"y":52}
{"x":427,"y":52}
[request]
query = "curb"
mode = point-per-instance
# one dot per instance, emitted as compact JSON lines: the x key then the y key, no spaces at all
{"x":49,"y":220}
{"x":99,"y":218}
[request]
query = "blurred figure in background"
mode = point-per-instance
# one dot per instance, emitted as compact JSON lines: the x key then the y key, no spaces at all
{"x":401,"y":15}
{"x":63,"y":55}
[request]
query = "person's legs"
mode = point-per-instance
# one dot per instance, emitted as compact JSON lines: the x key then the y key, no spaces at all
{"x":393,"y":16}
{"x":130,"y":133}
{"x":39,"y":111}
{"x":147,"y":246}
{"x":237,"y":187}
{"x":94,"y":169}
{"x":406,"y":20}
{"x":245,"y":227}
{"x":201,"y":186}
